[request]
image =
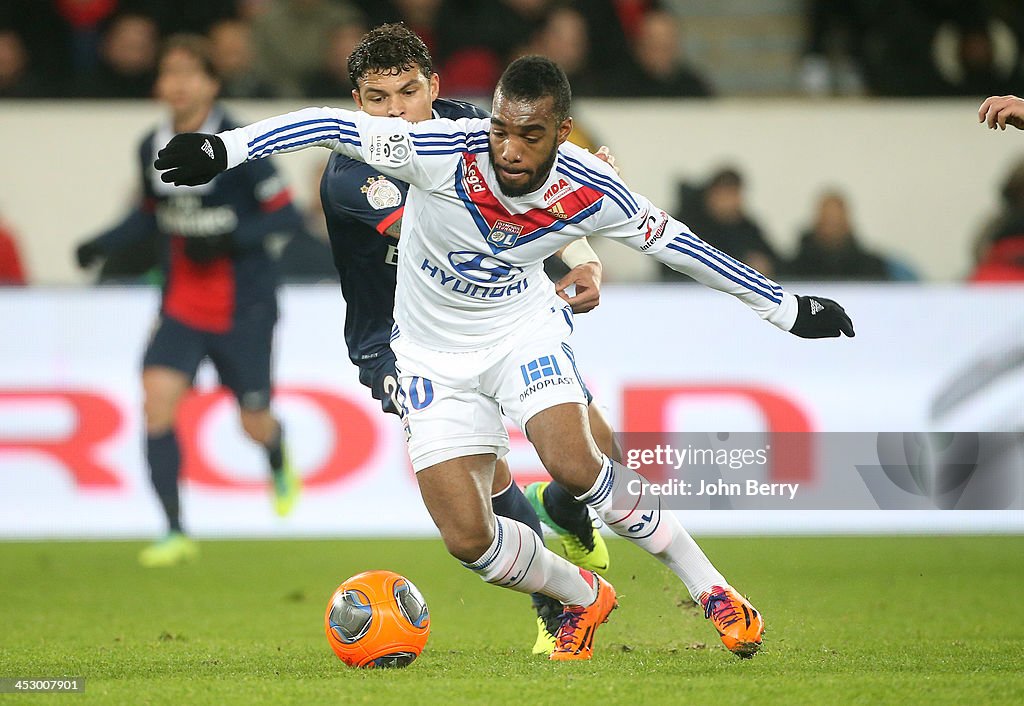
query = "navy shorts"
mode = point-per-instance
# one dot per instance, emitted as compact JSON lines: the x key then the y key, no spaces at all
{"x":379,"y":374}
{"x":241,"y":355}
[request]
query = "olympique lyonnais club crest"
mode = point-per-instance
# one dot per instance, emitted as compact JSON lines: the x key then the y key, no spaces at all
{"x":504,"y":234}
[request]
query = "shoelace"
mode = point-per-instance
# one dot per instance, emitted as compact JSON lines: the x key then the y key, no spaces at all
{"x":723,"y":609}
{"x":570,"y":619}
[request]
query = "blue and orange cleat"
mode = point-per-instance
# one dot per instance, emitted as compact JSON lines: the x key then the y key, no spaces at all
{"x":737,"y":622}
{"x":575,"y":637}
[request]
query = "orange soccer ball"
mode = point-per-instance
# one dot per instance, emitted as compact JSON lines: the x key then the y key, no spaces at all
{"x":377,"y":619}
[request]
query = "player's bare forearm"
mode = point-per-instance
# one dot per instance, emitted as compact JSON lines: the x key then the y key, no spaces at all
{"x":999,"y":111}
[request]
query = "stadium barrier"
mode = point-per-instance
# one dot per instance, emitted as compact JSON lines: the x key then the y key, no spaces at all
{"x":658,"y":358}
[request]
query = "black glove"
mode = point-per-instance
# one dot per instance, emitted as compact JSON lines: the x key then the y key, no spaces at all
{"x":817,"y":317}
{"x":193,"y":158}
{"x":208,"y":248}
{"x":87,"y":253}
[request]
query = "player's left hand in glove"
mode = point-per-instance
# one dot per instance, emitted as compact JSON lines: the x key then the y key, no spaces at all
{"x":817,"y":317}
{"x":87,"y":253}
{"x":192,"y":158}
{"x":204,"y":249}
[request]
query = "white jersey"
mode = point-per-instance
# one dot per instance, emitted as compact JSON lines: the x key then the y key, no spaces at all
{"x":471,"y":259}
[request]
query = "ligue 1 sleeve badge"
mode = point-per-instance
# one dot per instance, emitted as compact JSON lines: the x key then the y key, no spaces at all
{"x":381,"y":193}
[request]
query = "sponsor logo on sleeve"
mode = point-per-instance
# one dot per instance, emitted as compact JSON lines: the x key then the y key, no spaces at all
{"x":653,"y":227}
{"x":381,"y":192}
{"x":389,"y":150}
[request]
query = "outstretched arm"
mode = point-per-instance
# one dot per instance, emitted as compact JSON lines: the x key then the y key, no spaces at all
{"x":1000,"y":111}
{"x":653,"y":232}
{"x":422,"y":154}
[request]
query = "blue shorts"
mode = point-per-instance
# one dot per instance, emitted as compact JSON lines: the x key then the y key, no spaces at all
{"x":381,"y":376}
{"x":241,"y":355}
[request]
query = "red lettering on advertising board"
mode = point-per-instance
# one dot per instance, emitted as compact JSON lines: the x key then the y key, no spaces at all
{"x":96,"y":421}
{"x":645,"y":409}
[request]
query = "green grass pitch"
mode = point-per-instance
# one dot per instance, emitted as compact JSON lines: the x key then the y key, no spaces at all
{"x":868,"y":620}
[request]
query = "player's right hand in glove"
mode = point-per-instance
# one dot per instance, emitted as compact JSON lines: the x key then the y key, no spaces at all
{"x":818,"y":317}
{"x":192,"y":158}
{"x":87,"y":253}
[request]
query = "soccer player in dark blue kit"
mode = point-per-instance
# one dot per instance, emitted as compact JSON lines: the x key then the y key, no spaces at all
{"x":219,"y":299}
{"x":391,"y":69}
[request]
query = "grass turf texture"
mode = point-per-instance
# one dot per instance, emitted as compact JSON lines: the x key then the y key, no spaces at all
{"x":851,"y":620}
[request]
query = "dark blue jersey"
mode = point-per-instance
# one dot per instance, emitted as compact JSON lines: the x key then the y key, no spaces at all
{"x":236,"y":211}
{"x":360,"y":204}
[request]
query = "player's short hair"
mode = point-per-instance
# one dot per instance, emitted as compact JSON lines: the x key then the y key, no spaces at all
{"x":196,"y":45}
{"x":532,"y":78}
{"x":389,"y":49}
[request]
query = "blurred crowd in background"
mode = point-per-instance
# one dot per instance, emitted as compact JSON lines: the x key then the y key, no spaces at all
{"x":107,"y":49}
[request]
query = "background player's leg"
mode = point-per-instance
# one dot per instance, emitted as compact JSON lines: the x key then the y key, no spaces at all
{"x":163,"y":389}
{"x":508,"y":500}
{"x":262,"y":427}
{"x":242,"y":358}
{"x":500,"y":550}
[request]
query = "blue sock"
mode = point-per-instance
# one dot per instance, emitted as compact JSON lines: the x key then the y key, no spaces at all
{"x":563,"y":507}
{"x":274,"y":453}
{"x":164,"y":458}
{"x":511,"y":503}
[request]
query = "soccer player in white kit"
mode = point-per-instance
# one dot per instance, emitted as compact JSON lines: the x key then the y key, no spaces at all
{"x":480,"y":331}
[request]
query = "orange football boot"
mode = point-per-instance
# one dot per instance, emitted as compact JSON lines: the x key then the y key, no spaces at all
{"x":737,"y":622}
{"x":575,"y":637}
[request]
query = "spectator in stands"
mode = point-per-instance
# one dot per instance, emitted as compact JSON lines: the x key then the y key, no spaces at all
{"x":183,"y":16}
{"x":977,"y":56}
{"x":127,"y":65}
{"x":232,"y":54}
{"x":509,"y":25}
{"x":829,"y":249}
{"x":291,"y":38}
{"x":563,"y":38}
{"x":833,"y":56}
{"x":717,"y":214}
{"x":16,"y":78}
{"x":331,"y":79}
{"x":658,"y":68}
{"x":1000,"y":247}
{"x":46,"y":41}
{"x":12,"y":272}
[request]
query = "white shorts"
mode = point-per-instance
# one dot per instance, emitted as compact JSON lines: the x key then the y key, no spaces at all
{"x":453,"y":402}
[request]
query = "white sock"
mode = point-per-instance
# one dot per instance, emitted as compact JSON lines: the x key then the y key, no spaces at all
{"x":518,"y":559}
{"x":640,"y":519}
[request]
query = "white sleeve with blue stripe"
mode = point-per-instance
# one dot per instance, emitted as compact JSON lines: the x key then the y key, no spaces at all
{"x":653,"y":232}
{"x":423,"y":154}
